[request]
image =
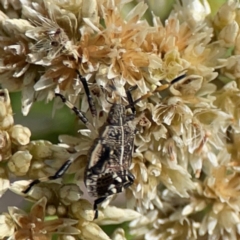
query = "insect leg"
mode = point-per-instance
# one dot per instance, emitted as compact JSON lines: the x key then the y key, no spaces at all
{"x":95,"y":205}
{"x":58,"y":174}
{"x":78,"y":112}
{"x":116,"y":187}
{"x":88,"y":94}
{"x":130,"y":180}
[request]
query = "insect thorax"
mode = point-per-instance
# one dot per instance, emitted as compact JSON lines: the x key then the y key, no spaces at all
{"x":117,"y":115}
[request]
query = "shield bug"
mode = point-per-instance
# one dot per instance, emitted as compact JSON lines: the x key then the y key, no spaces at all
{"x":110,"y":155}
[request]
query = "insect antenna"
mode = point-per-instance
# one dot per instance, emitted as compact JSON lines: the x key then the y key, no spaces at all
{"x":157,"y":89}
{"x":130,"y":99}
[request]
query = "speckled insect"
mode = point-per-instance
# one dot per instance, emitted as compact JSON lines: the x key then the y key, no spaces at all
{"x":110,"y":155}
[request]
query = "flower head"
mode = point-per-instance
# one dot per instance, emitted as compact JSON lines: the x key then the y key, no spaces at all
{"x":34,"y":225}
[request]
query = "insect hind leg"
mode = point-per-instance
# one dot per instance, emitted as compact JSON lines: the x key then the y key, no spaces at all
{"x":113,"y":189}
{"x":129,"y":180}
{"x":95,"y":205}
{"x":102,"y":199}
{"x":57,"y":175}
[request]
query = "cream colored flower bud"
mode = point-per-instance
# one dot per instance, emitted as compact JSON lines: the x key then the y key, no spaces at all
{"x":83,"y":209}
{"x":19,"y":163}
{"x":7,"y":226}
{"x":70,"y":193}
{"x":237,"y":18}
{"x":4,"y":137}
{"x":17,"y":25}
{"x":36,"y":168}
{"x":7,"y":122}
{"x":66,"y":237}
{"x":19,"y":186}
{"x":5,"y":146}
{"x":38,"y":192}
{"x":59,"y":152}
{"x":119,"y":234}
{"x":155,"y":170}
{"x":188,"y":85}
{"x":3,"y":110}
{"x":226,"y":14}
{"x":61,"y":210}
{"x":4,"y":97}
{"x":229,"y":34}
{"x":237,"y":45}
{"x":90,"y":10}
{"x":20,"y":135}
{"x":114,"y":215}
{"x":4,"y":181}
{"x":91,"y":231}
{"x":41,"y":149}
{"x":51,"y":210}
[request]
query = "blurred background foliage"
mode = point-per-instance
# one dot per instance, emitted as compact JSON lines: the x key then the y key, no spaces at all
{"x":41,"y":122}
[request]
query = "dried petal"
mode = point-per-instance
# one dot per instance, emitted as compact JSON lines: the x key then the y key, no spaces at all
{"x":7,"y":226}
{"x":4,"y":181}
{"x":114,"y":215}
{"x":119,"y":234}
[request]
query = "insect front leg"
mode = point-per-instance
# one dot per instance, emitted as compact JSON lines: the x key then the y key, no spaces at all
{"x":78,"y":112}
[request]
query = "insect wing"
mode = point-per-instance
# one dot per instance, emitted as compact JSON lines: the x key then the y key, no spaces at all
{"x":109,"y":160}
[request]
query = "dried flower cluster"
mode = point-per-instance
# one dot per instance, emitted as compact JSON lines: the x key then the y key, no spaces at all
{"x":186,"y":159}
